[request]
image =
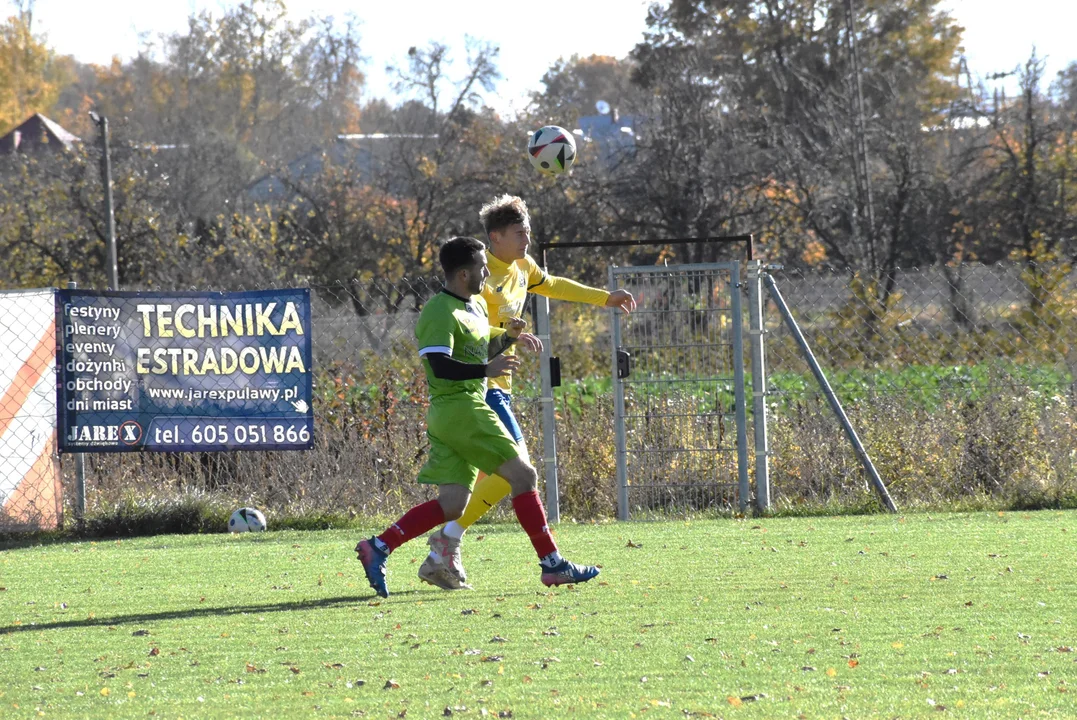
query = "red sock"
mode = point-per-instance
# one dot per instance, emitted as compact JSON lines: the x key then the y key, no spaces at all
{"x":414,"y":523}
{"x":532,"y":517}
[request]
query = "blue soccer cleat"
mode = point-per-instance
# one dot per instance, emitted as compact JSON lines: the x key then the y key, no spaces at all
{"x":374,"y":564}
{"x":568,"y":573}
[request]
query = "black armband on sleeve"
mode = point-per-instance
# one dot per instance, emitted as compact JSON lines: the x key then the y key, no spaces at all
{"x":445,"y":368}
{"x":498,"y":345}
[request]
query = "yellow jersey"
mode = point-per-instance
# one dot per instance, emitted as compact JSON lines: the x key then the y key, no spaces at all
{"x":506,"y":291}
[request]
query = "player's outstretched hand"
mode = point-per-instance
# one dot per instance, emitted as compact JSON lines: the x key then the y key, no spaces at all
{"x":622,"y":299}
{"x":502,"y":365}
{"x":529,"y":342}
{"x":515,"y":326}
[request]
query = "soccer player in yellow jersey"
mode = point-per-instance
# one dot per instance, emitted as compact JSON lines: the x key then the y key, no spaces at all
{"x":512,"y":275}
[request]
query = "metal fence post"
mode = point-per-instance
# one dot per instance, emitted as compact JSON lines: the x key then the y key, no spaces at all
{"x":549,"y":420}
{"x":80,"y":459}
{"x":835,"y":404}
{"x":744,"y":489}
{"x":756,"y":333}
{"x":619,"y":410}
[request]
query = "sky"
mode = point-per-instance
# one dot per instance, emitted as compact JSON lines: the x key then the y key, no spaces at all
{"x":997,"y":38}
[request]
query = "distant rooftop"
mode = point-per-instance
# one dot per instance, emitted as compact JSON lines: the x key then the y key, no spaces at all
{"x":37,"y":132}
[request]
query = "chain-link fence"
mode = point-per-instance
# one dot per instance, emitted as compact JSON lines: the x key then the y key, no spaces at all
{"x":959,"y":380}
{"x":29,"y":474}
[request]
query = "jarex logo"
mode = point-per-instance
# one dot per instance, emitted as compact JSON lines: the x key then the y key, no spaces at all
{"x":128,"y":433}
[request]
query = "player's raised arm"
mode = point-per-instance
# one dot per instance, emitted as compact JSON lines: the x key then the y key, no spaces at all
{"x":560,"y":288}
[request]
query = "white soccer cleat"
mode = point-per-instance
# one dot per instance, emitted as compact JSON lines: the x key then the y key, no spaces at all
{"x":446,"y":572}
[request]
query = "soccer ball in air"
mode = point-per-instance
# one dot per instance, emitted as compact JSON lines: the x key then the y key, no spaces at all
{"x":247,"y":519}
{"x":551,"y":149}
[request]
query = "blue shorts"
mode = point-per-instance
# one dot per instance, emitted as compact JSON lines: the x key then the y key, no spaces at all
{"x":501,"y":403}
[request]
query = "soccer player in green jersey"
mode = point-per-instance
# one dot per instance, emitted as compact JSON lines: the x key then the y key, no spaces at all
{"x":460,"y":350}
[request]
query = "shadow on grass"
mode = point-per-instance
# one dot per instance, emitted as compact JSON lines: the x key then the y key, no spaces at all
{"x":197,"y":612}
{"x":187,"y":613}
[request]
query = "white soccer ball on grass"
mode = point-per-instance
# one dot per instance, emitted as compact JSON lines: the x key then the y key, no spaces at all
{"x":247,"y":519}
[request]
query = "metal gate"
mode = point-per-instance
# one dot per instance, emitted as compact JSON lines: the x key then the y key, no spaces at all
{"x":678,"y":380}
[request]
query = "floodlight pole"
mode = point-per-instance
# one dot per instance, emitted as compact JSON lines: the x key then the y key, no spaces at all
{"x":110,"y":216}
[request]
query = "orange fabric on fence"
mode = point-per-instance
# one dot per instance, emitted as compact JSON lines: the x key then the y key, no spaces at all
{"x":31,"y":492}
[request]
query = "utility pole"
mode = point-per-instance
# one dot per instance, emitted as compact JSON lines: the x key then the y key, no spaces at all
{"x":866,"y":200}
{"x":110,"y":216}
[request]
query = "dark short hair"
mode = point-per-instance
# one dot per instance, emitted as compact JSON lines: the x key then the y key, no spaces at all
{"x":503,"y":211}
{"x":458,"y":252}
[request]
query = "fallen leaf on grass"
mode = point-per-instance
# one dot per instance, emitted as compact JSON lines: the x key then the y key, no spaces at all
{"x":734,"y":701}
{"x":391,"y":685}
{"x":154,"y":652}
{"x":633,"y":545}
{"x":853,"y":663}
{"x":252,"y":669}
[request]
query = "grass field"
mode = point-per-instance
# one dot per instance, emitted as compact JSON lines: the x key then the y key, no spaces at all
{"x":871,"y":616}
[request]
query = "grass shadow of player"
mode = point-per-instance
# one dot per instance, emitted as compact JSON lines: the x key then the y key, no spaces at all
{"x":219,"y":611}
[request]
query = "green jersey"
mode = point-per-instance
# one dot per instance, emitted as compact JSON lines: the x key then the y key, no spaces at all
{"x":460,"y":329}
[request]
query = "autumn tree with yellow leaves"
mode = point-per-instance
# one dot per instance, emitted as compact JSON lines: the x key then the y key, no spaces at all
{"x":32,"y":75}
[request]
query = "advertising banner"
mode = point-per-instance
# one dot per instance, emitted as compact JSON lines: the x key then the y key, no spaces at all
{"x":174,"y":371}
